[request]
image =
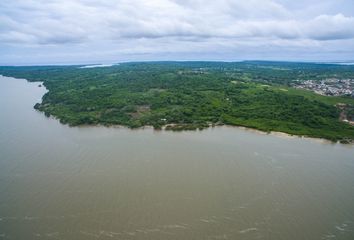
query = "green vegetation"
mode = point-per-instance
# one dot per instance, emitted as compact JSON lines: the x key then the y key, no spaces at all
{"x":193,"y":95}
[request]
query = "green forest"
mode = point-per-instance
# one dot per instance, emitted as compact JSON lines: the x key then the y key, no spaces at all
{"x":194,"y":95}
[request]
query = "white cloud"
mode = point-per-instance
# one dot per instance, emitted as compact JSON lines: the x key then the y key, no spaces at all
{"x":325,"y":27}
{"x":169,"y":25}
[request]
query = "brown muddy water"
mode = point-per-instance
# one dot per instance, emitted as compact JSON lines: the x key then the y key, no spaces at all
{"x":58,"y":182}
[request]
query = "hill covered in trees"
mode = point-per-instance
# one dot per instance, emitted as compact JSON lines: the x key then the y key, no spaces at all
{"x":194,"y":95}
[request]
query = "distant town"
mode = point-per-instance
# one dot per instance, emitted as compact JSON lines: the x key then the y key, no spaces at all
{"x":328,"y":87}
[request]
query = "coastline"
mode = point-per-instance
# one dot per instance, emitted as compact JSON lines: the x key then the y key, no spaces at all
{"x":248,"y":129}
{"x":163,"y":128}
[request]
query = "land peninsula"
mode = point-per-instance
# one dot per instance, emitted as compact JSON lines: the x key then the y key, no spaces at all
{"x":196,"y":95}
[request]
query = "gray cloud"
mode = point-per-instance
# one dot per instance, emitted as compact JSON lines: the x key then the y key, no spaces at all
{"x":173,"y":26}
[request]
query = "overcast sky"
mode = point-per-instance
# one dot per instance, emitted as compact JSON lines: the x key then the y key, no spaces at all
{"x":106,"y":31}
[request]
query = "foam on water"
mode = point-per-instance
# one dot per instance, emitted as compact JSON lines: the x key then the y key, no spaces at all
{"x":248,"y":230}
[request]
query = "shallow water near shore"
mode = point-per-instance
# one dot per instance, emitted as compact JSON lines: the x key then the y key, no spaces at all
{"x":58,"y":182}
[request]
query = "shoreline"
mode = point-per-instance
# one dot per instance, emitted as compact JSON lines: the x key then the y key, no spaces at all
{"x":272,"y":133}
{"x":248,"y":129}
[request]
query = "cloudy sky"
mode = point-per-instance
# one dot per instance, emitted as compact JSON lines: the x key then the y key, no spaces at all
{"x":105,"y":31}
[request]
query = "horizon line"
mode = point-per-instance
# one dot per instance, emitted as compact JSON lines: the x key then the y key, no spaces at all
{"x":341,"y":62}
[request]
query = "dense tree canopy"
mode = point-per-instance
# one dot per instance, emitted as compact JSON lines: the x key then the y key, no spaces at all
{"x":193,"y":95}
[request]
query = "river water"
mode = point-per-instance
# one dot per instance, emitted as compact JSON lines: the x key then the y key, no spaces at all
{"x":58,"y":182}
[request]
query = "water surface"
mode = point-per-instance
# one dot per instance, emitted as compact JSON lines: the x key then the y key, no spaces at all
{"x":58,"y":182}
